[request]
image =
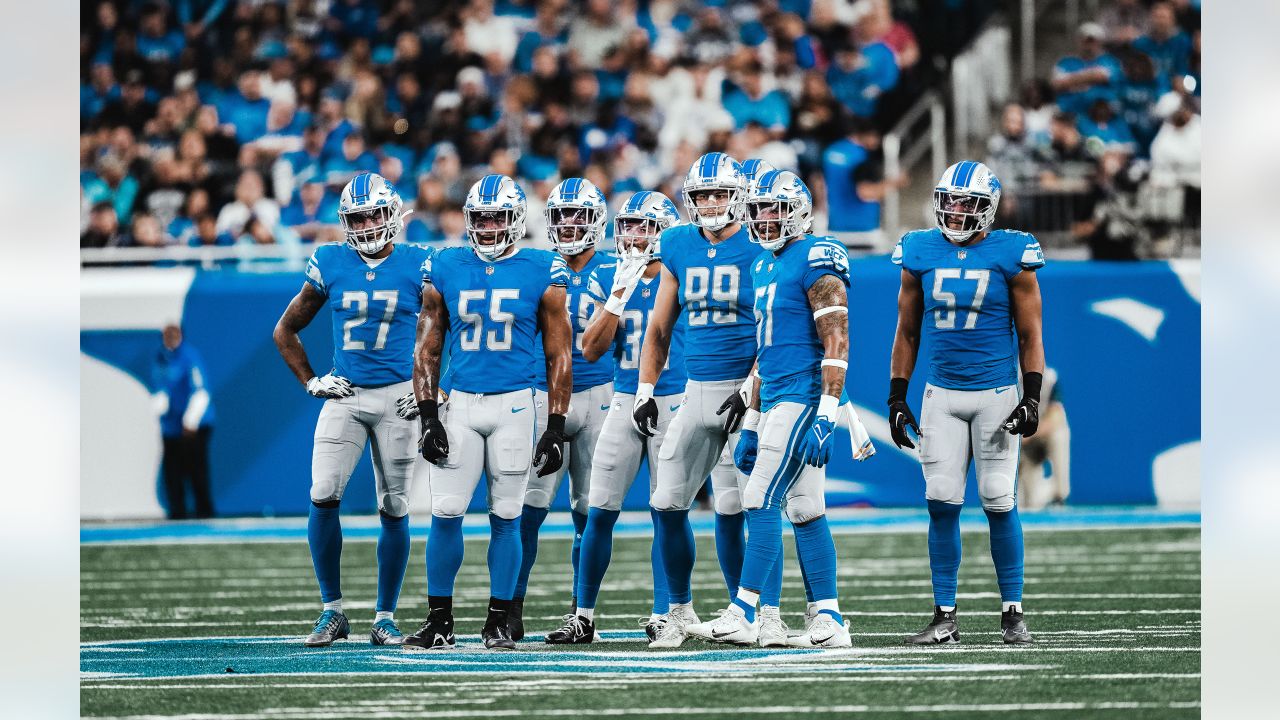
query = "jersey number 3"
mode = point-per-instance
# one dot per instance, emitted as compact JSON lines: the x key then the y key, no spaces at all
{"x":944,"y":318}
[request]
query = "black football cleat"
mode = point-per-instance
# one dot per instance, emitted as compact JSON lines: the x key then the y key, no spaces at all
{"x":496,"y":632}
{"x":577,"y":630}
{"x":436,"y":633}
{"x":515,"y":619}
{"x":1013,"y":628}
{"x":942,"y":630}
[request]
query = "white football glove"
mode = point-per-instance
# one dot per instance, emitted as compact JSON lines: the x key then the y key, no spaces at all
{"x":859,"y":438}
{"x":627,"y":278}
{"x":330,"y":386}
{"x":407,"y":407}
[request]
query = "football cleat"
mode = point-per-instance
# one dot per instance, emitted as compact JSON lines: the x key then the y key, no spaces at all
{"x":824,"y":632}
{"x":652,"y":625}
{"x":435,"y":633}
{"x":942,"y":630}
{"x":1013,"y":628}
{"x":385,"y":632}
{"x":727,"y":627}
{"x":496,"y":633}
{"x":672,"y":633}
{"x":331,"y":625}
{"x":773,"y":630}
{"x":515,"y":619}
{"x":577,"y":630}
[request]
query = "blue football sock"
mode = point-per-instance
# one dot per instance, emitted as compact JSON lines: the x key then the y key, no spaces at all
{"x":575,"y":551}
{"x":804,"y":575}
{"x":731,"y":548}
{"x":764,"y":544}
{"x":818,"y":554}
{"x":660,"y":604}
{"x":393,"y":559}
{"x":324,"y":536}
{"x":678,"y":553}
{"x":504,"y":556}
{"x":597,"y":549}
{"x":444,"y":555}
{"x":772,"y":592}
{"x":1006,"y":552}
{"x":531,"y":519}
{"x":944,"y":551}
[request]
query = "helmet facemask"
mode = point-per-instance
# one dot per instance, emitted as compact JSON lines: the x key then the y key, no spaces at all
{"x":773,"y":223}
{"x":574,"y":229}
{"x":637,"y":236}
{"x":962,"y":215}
{"x":492,"y":231}
{"x":368,"y":230}
{"x":714,"y":216}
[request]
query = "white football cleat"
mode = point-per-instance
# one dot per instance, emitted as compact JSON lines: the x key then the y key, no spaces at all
{"x":810,"y":612}
{"x":773,"y":630}
{"x":672,"y":633}
{"x":727,"y":627}
{"x":824,"y":632}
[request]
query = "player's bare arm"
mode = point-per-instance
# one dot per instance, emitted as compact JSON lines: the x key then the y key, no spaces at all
{"x":657,"y":337}
{"x":557,"y":338}
{"x":599,"y":335}
{"x":1024,"y":296}
{"x":298,"y":315}
{"x":427,"y":351}
{"x":902,"y":359}
{"x":830,"y":304}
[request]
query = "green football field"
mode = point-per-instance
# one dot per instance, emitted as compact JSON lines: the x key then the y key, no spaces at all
{"x":212,"y":629}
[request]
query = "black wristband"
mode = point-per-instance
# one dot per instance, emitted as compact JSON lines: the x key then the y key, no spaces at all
{"x":428,"y":409}
{"x":1031,"y":383}
{"x":555,"y":423}
{"x":897,"y":390}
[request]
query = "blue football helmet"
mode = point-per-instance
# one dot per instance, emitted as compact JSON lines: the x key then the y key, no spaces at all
{"x":779,"y":209}
{"x":965,"y":200}
{"x":494,"y":215}
{"x":576,"y":213}
{"x":753,"y":168}
{"x":641,"y":220}
{"x":369,"y":197}
{"x":711,"y":172}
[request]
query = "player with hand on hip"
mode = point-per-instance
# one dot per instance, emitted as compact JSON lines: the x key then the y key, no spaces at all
{"x":575,"y":216}
{"x":492,"y":299}
{"x":625,"y":294}
{"x":981,"y":314}
{"x":802,"y":331}
{"x":374,"y":288}
{"x":706,"y":280}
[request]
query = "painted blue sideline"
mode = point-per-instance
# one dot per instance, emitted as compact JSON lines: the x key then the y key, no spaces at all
{"x":559,"y":525}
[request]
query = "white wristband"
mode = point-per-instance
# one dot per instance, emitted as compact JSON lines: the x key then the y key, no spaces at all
{"x":827,"y":407}
{"x":615,"y":305}
{"x":644,"y":391}
{"x":747,"y":386}
{"x":829,"y":310}
{"x":752,"y":420}
{"x":831,"y":362}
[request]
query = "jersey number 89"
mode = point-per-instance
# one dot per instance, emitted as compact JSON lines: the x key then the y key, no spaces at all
{"x":721,"y":283}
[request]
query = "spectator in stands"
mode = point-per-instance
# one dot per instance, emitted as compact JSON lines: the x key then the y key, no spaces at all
{"x":1044,"y":467}
{"x":817,"y":121}
{"x":183,"y":227}
{"x":1123,"y":21}
{"x":1065,"y":164}
{"x":488,"y":34}
{"x":182,"y":402}
{"x":104,"y":227}
{"x":146,"y":231}
{"x":292,"y":169}
{"x":860,"y":75}
{"x":250,"y":202}
{"x":1038,"y":107}
{"x":596,"y":29}
{"x":1166,"y":43}
{"x":353,"y":160}
{"x":132,"y":108}
{"x":1093,"y":74}
{"x":853,"y":172}
{"x":246,"y":110}
{"x":207,"y":234}
{"x":166,"y":192}
{"x":1012,"y":153}
{"x":314,"y":214}
{"x":98,"y":92}
{"x":1175,"y":156}
{"x":1104,"y":132}
{"x":878,"y":25}
{"x":752,"y":102}
{"x":1137,"y":98}
{"x":113,"y":183}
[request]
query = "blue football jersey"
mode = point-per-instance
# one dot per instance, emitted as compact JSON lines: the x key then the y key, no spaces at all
{"x":630,"y":335}
{"x":716,"y":297}
{"x":581,"y":309}
{"x":791,"y":352}
{"x":493,"y":314}
{"x":375,"y":310}
{"x":968,"y":323}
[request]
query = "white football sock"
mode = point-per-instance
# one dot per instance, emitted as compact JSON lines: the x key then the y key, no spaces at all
{"x":335,"y":606}
{"x":829,"y":604}
{"x":1005,"y":607}
{"x":383,"y":615}
{"x":588,"y":613}
{"x":748,"y":597}
{"x":947,"y":608}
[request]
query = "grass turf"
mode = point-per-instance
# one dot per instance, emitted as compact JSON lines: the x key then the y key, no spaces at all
{"x":1115,"y":614}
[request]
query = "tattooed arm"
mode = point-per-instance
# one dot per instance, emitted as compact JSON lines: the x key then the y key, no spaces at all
{"x":432,"y":321}
{"x":833,"y":330}
{"x":301,"y":311}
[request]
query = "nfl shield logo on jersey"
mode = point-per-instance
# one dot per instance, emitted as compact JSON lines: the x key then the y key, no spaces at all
{"x":962,"y":254}
{"x":711,"y":253}
{"x":488,"y":270}
{"x":369,"y":275}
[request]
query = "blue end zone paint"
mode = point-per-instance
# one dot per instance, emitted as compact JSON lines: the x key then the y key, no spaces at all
{"x":275,"y":656}
{"x":559,"y":525}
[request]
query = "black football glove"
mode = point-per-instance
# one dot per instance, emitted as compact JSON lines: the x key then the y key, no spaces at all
{"x":548,"y":454}
{"x":736,"y":407}
{"x":1025,"y":418}
{"x":644,"y":413}
{"x":434,"y":442}
{"x":900,"y":416}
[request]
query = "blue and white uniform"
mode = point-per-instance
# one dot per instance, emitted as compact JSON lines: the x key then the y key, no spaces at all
{"x":375,"y":306}
{"x":973,"y":359}
{"x":489,"y":417}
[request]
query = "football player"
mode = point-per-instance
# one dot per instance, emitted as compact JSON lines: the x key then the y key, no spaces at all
{"x":374,"y":288}
{"x":575,"y":217}
{"x":616,"y":331}
{"x":706,"y":278}
{"x":493,"y":299}
{"x":802,"y":331}
{"x":981,"y":315}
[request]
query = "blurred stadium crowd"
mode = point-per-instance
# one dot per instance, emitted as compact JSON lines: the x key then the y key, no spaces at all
{"x":237,"y":122}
